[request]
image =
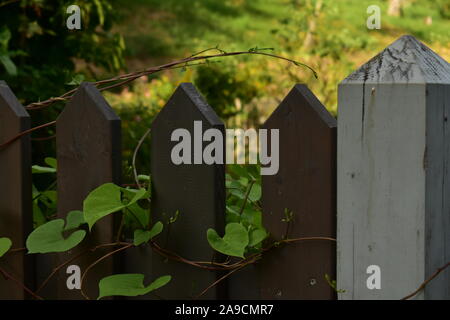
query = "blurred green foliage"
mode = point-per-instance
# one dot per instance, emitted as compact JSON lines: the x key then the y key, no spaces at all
{"x":34,"y":36}
{"x":39,"y":56}
{"x":225,"y":88}
{"x":137,"y":106}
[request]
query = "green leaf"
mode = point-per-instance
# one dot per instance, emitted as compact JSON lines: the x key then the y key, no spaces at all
{"x":5,"y":36}
{"x":49,"y":238}
{"x":233,"y":214}
{"x":51,"y":162}
{"x":10,"y":67}
{"x":141,"y":214}
{"x":102,"y":201}
{"x":35,"y":192}
{"x":234,"y":241}
{"x":143,"y":236}
{"x":143,"y":177}
{"x":243,"y":181}
{"x":130,"y":285}
{"x":238,"y":193}
{"x":74,"y":220}
{"x":238,"y":170}
{"x":38,"y":215}
{"x":51,"y":195}
{"x":251,"y":217}
{"x":40,"y":169}
{"x":101,"y":14}
{"x":256,"y":236}
{"x":231,"y":184}
{"x":134,"y":195}
{"x":107,"y":199}
{"x":255,"y":192}
{"x":76,"y":80}
{"x":5,"y":245}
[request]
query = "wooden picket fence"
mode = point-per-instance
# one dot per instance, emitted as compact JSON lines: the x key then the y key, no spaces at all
{"x":89,"y":154}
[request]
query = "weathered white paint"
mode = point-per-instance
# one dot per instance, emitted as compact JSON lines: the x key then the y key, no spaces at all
{"x":393,"y":173}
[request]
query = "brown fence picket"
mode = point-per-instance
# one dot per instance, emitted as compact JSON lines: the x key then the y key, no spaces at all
{"x":15,"y":189}
{"x":197,"y":191}
{"x":89,"y":154}
{"x":306,"y":185}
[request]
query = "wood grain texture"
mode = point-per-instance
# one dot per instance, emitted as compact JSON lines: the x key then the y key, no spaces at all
{"x":437,"y":201}
{"x":197,"y":191}
{"x":406,"y":60}
{"x":306,"y":185}
{"x":16,"y":219}
{"x":89,"y":154}
{"x":392,"y":175}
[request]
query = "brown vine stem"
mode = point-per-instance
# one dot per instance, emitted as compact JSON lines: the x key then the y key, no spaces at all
{"x":44,"y":138}
{"x":23,"y":133}
{"x":136,"y":150}
{"x":219,"y":280}
{"x":247,"y":194}
{"x":126,"y":78}
{"x":8,"y":276}
{"x":55,"y":270}
{"x":174,"y":64}
{"x":241,"y":264}
{"x":97,"y":262}
{"x":307,"y":239}
{"x":424,"y":284}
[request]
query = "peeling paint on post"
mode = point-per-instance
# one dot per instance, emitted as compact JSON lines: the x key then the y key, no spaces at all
{"x":393,"y":174}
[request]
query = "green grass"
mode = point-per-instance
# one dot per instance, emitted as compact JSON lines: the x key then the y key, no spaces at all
{"x":157,"y":31}
{"x":164,"y":28}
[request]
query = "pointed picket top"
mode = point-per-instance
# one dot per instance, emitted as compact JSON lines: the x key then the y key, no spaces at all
{"x":196,"y":191}
{"x":88,"y":150}
{"x":298,"y":98}
{"x":88,"y":97}
{"x":9,"y":100}
{"x":16,"y":214}
{"x":187,"y":96}
{"x":407,"y":60}
{"x":305,"y":185}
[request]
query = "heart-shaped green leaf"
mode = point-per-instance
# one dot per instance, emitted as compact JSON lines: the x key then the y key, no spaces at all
{"x":5,"y":245}
{"x":143,"y":236}
{"x":129,"y":285}
{"x":256,"y":236}
{"x":74,"y":219}
{"x":102,"y":201}
{"x":49,"y":238}
{"x":107,"y":199}
{"x":234,"y":241}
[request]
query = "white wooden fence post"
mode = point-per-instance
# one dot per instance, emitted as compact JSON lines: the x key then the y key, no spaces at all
{"x":393,"y":175}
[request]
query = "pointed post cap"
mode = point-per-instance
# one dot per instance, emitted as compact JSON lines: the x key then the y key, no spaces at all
{"x":9,"y":103}
{"x":407,"y":60}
